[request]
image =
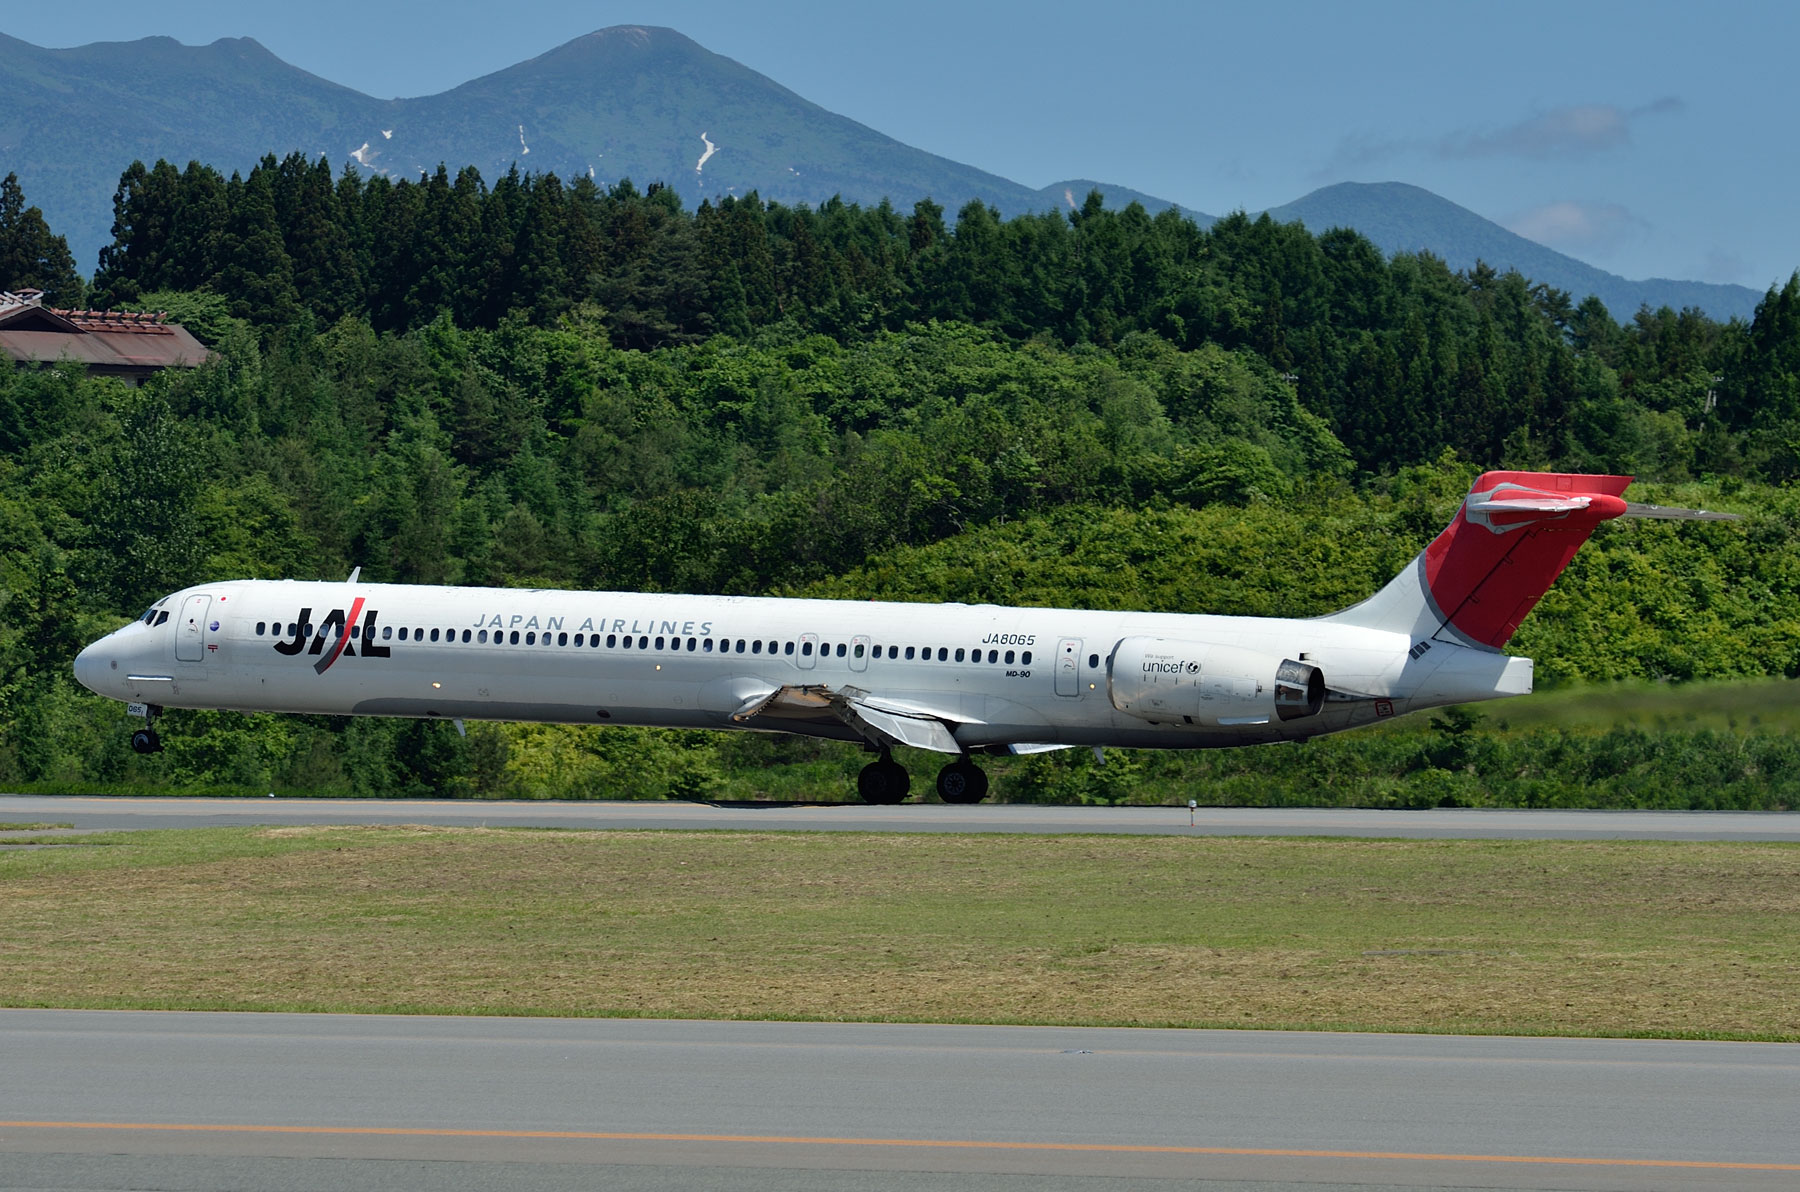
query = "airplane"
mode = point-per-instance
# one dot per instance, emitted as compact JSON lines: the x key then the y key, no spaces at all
{"x":956,"y":679}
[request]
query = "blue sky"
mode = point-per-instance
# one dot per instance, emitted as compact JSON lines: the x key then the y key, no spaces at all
{"x":1650,"y":139}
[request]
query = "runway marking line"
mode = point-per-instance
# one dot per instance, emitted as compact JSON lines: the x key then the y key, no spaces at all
{"x":920,"y":1143}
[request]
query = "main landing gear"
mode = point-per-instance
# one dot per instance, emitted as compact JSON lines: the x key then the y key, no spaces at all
{"x":962,"y":781}
{"x":885,"y":782}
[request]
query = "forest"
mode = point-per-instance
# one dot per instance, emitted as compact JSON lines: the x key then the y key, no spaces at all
{"x":549,"y":383}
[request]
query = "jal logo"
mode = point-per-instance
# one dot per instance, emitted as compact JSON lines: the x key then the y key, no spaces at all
{"x":313,"y":642}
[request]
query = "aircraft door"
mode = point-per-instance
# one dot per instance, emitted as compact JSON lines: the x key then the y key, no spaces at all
{"x":190,"y":630}
{"x":809,"y":650}
{"x":859,"y":652}
{"x":1068,"y":666}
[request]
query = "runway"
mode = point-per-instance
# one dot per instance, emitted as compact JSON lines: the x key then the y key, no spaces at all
{"x":116,"y":1100}
{"x":120,"y":814}
{"x":278,"y":1101}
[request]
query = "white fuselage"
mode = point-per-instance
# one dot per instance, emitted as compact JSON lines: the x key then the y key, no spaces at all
{"x":996,"y":676}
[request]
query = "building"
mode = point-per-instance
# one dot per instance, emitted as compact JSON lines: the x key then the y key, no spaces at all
{"x":107,"y":343}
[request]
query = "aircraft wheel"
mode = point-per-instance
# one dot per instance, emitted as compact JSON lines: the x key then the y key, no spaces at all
{"x":145,"y":740}
{"x":883,"y":783}
{"x":962,"y":782}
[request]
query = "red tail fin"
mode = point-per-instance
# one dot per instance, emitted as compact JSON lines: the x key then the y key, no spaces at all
{"x":1513,"y":536}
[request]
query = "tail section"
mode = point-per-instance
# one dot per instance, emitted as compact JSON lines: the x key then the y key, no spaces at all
{"x":1513,"y":536}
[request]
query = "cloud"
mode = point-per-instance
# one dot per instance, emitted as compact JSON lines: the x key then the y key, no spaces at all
{"x":1577,"y":227}
{"x":1573,"y":131}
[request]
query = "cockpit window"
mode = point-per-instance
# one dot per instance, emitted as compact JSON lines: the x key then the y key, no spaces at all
{"x":162,"y":616}
{"x":149,"y":615}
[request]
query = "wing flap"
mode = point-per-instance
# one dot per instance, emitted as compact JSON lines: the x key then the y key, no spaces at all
{"x":880,"y":723}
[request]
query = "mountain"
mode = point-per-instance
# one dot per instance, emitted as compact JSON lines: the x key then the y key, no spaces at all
{"x":1069,"y":195}
{"x":627,"y":102}
{"x":635,"y":102}
{"x":74,"y":119}
{"x":1402,"y":218}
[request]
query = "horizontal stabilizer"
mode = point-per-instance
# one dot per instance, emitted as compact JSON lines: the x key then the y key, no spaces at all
{"x":1664,"y":513}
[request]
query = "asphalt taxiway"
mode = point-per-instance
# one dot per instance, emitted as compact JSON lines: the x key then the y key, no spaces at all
{"x":199,"y":1100}
{"x":124,"y":813}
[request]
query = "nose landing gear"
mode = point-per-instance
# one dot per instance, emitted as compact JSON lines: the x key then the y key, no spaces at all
{"x":145,"y":740}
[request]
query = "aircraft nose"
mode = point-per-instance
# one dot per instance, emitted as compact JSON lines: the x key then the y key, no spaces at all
{"x":91,"y":668}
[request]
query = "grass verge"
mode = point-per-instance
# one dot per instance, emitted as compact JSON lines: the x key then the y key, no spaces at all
{"x":1523,"y":937}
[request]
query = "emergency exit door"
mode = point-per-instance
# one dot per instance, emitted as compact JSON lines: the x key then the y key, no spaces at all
{"x":1068,"y":666}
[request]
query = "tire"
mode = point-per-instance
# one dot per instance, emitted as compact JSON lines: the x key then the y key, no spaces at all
{"x":883,"y":783}
{"x":962,"y":782}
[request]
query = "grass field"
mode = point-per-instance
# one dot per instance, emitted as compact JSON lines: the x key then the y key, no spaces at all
{"x":1530,"y":937}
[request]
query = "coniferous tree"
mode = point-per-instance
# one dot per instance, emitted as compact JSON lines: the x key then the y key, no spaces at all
{"x":255,"y":271}
{"x":31,"y":256}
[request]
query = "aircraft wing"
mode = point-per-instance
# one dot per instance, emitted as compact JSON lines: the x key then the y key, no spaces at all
{"x":881,"y":722}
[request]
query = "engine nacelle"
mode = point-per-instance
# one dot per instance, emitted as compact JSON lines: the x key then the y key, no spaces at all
{"x":1178,"y":682}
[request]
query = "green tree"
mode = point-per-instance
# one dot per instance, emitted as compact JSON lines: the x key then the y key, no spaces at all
{"x":31,"y":256}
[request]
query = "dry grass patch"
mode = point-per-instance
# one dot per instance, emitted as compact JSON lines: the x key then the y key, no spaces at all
{"x":1513,"y":936}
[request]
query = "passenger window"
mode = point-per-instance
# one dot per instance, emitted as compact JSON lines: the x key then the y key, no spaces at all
{"x":944,"y":654}
{"x":909,"y":653}
{"x":259,"y":626}
{"x":482,"y":637}
{"x":1009,"y":658}
{"x":562,"y":639}
{"x":993,"y":655}
{"x":1025,"y":658}
{"x":756,"y":646}
{"x":659,"y":643}
{"x":1093,"y":661}
{"x":580,"y":639}
{"x":858,"y":652}
{"x":530,"y":637}
{"x":434,"y":633}
{"x":693,"y":644}
{"x":959,"y":654}
{"x":707,"y":646}
{"x":513,"y":638}
{"x":466,"y":635}
{"x":788,"y":649}
{"x":612,"y":641}
{"x":806,"y":649}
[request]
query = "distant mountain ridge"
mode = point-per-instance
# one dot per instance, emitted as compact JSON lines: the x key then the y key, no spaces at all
{"x":641,"y":102}
{"x":1403,"y":218}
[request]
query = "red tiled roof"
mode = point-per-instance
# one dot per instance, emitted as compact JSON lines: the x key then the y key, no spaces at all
{"x":117,"y":340}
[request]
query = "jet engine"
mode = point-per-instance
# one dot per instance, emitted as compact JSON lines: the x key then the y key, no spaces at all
{"x":1176,"y":682}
